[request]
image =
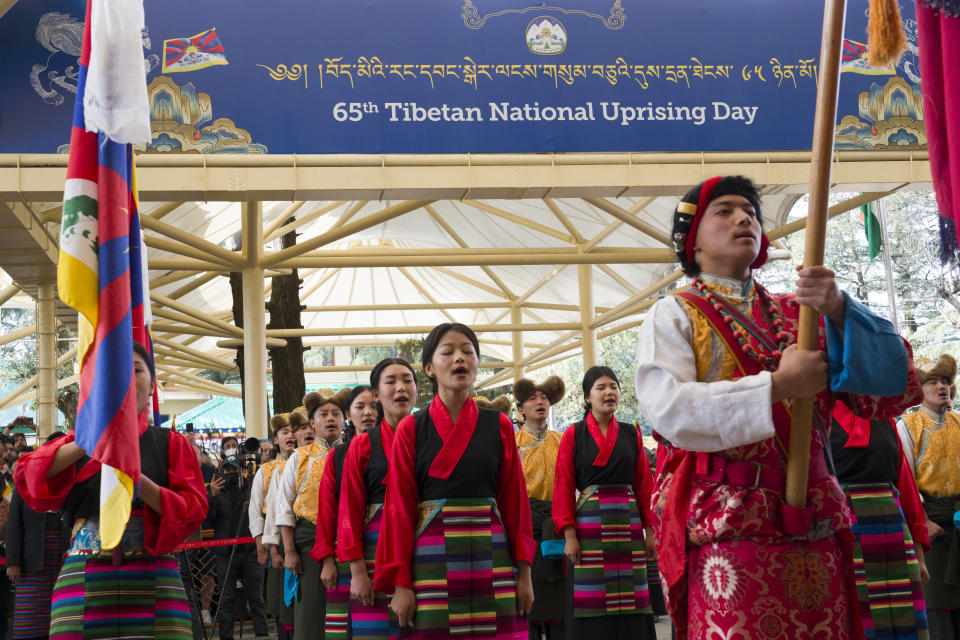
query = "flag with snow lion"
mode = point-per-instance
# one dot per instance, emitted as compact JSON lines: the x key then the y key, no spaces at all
{"x":102,"y":261}
{"x":196,"y":52}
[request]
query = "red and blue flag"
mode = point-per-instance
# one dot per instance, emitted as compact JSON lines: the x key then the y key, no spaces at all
{"x":101,"y":273}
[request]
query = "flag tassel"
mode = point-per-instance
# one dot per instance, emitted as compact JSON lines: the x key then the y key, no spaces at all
{"x":885,"y":40}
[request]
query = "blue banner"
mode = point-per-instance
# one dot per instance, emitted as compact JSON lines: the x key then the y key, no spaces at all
{"x":480,"y":76}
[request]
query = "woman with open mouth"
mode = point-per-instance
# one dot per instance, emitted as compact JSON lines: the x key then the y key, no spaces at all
{"x":605,"y":462}
{"x":456,"y":517}
{"x":362,"y":414}
{"x":281,"y":433}
{"x":361,"y":498}
{"x":302,"y":435}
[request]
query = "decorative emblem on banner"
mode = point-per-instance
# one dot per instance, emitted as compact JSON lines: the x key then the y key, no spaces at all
{"x":890,"y":117}
{"x":546,"y":36}
{"x":854,"y":58}
{"x":197,"y":52}
{"x":61,"y":33}
{"x":473,"y":20}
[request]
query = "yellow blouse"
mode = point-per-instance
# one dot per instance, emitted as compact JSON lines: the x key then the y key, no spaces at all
{"x":538,"y":457}
{"x":268,"y":468}
{"x":936,"y":451}
{"x":311,"y":460}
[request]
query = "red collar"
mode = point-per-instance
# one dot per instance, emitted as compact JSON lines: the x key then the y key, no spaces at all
{"x":604,"y":443}
{"x":857,"y":428}
{"x":386,"y":436}
{"x":453,"y":447}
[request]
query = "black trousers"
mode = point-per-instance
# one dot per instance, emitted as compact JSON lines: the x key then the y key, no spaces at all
{"x":186,"y":575}
{"x":944,"y":624}
{"x":244,"y":567}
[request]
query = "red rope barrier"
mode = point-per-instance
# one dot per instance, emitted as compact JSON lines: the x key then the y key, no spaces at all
{"x":225,"y":542}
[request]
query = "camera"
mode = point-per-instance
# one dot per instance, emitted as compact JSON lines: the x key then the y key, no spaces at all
{"x":251,"y":449}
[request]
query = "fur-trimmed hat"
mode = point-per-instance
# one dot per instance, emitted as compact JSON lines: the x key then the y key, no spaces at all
{"x":500,"y":403}
{"x":689,"y":212}
{"x":315,"y":399}
{"x":278,"y":422}
{"x":298,"y":419}
{"x":552,"y":387}
{"x":944,"y":367}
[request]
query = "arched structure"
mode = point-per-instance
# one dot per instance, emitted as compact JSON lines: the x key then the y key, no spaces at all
{"x":542,"y":253}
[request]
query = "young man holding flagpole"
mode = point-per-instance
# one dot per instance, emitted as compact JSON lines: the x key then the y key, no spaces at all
{"x":718,"y":376}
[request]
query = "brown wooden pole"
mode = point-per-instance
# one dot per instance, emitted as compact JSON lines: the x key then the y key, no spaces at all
{"x":824,"y":126}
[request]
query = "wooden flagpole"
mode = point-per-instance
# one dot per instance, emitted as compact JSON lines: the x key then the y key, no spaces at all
{"x":824,"y":126}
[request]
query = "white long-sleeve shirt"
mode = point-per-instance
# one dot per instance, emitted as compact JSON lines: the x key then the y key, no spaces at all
{"x":697,"y":416}
{"x":271,"y":533}
{"x":287,"y":492}
{"x":257,"y":498}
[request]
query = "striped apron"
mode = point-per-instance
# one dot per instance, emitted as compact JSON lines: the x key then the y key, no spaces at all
{"x":463,"y":576}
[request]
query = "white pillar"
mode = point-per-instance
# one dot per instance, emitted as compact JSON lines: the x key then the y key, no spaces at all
{"x":254,"y":323}
{"x":588,"y":335}
{"x":46,"y":359}
{"x":516,"y":317}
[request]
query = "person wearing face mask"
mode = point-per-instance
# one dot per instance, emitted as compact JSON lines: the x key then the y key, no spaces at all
{"x":605,"y":462}
{"x":456,"y":517}
{"x":134,"y":590}
{"x":229,"y":511}
{"x":228,"y":447}
{"x":282,"y":437}
{"x":361,"y":497}
{"x":302,"y":436}
{"x":538,"y":447}
{"x":931,"y":444}
{"x":362,"y":414}
{"x":296,"y":508}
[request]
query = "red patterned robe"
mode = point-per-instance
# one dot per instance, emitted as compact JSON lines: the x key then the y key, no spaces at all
{"x":737,"y":561}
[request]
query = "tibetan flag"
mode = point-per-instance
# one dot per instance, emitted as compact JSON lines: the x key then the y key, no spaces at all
{"x":100,"y":273}
{"x":854,"y":60}
{"x":871,"y":226}
{"x":197,"y":52}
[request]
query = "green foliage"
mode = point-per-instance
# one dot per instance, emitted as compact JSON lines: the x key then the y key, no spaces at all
{"x":412,"y":351}
{"x":924,"y":288}
{"x":18,"y":360}
{"x":223,"y":377}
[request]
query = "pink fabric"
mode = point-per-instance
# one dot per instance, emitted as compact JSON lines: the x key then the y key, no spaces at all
{"x":752,"y":589}
{"x":939,"y":41}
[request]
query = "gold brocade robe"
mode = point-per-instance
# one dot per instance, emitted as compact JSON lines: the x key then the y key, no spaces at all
{"x":268,"y":468}
{"x":936,"y":451}
{"x":538,"y":457}
{"x":311,"y":460}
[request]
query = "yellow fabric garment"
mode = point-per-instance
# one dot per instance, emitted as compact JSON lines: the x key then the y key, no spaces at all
{"x":538,"y":457}
{"x":713,"y":357}
{"x":268,"y":468}
{"x":311,"y":460}
{"x":936,"y":451}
